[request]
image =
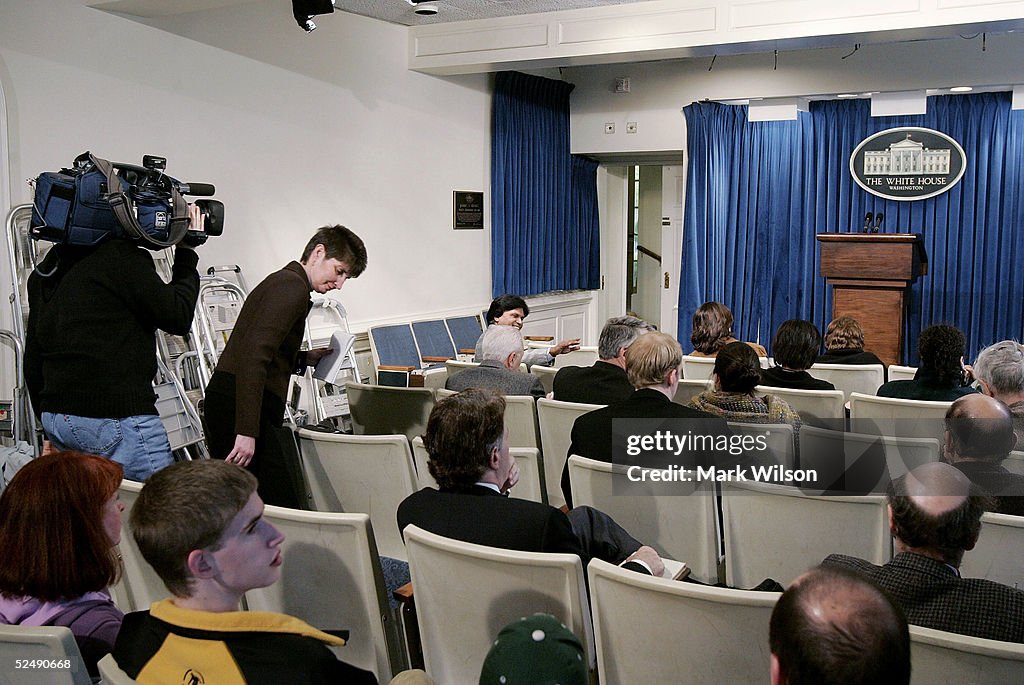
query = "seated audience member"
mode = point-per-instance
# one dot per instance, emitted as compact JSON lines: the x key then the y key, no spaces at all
{"x":712,"y":330}
{"x":512,"y":310}
{"x":794,"y":348}
{"x":535,"y":650}
{"x":941,"y":377}
{"x":844,"y":344}
{"x":200,"y":526}
{"x":60,"y":520}
{"x":606,"y":381}
{"x":831,"y":627}
{"x":979,"y":435}
{"x":1000,"y":373}
{"x":502,"y":352}
{"x":737,"y":372}
{"x":652,"y":364}
{"x":935,"y":516}
{"x":469,"y":458}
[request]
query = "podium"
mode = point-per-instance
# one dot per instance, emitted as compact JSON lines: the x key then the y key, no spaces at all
{"x":870,"y":274}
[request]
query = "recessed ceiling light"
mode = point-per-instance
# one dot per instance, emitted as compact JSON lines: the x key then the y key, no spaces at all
{"x":961,"y":89}
{"x":847,"y":95}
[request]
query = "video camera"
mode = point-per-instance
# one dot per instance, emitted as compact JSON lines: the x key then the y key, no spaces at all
{"x":96,"y":199}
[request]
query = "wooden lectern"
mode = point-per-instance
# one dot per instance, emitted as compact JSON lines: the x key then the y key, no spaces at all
{"x":870,"y":274}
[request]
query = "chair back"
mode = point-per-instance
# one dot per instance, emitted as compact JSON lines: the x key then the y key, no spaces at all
{"x":654,"y":630}
{"x":997,"y":554}
{"x":384,"y":410}
{"x":940,"y":658}
{"x":546,"y":374}
{"x":869,"y":462}
{"x":556,"y":419}
{"x":897,"y":417}
{"x":500,"y":585}
{"x":902,"y":373}
{"x":531,"y":470}
{"x":698,"y":368}
{"x":585,"y":356}
{"x":464,"y":331}
{"x":851,"y":378}
{"x":776,"y":531}
{"x":331,"y":578}
{"x":394,"y":345}
{"x":454,"y":366}
{"x":434,"y":341}
{"x":360,"y":474}
{"x":111,"y":673}
{"x":1014,"y":463}
{"x":520,"y":418}
{"x":144,"y":585}
{"x":818,"y":407}
{"x":45,"y":644}
{"x":681,"y":526}
{"x":690,"y":388}
{"x":779,"y":437}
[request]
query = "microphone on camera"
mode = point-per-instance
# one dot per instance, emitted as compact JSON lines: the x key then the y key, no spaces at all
{"x":205,"y":189}
{"x":867,"y":221}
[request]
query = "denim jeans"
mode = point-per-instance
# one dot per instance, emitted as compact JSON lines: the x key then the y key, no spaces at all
{"x":138,"y":443}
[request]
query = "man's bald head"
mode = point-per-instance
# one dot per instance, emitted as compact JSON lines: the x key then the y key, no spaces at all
{"x":978,"y":428}
{"x":935,"y":510}
{"x":832,"y":626}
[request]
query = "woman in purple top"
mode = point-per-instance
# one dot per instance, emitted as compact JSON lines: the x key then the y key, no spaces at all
{"x":60,"y":522}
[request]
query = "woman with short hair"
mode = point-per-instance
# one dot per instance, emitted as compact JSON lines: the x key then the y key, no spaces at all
{"x":844,"y":344}
{"x":60,"y":523}
{"x":794,"y":348}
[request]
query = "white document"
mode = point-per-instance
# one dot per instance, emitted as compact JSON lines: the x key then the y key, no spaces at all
{"x":327,"y":369}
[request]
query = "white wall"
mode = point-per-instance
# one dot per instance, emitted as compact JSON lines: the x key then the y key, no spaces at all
{"x":295,"y":130}
{"x":659,"y":90}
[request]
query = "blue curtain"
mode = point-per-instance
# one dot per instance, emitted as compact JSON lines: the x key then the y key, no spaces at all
{"x":544,"y":220}
{"x":758,"y":192}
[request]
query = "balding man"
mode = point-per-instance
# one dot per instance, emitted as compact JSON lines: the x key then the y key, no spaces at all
{"x":1000,"y":373}
{"x":935,"y":516}
{"x":831,"y":627}
{"x":979,"y":435}
{"x":501,"y":348}
{"x":606,"y":382}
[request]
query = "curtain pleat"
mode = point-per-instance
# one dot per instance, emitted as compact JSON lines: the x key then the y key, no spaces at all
{"x":757,"y":193}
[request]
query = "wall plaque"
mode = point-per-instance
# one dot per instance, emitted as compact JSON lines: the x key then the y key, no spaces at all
{"x":468,"y":209}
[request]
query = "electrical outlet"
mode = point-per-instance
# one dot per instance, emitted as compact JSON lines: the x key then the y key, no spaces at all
{"x":630,"y":127}
{"x":609,"y":127}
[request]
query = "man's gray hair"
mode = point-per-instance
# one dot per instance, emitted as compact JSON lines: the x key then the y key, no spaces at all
{"x":1002,"y":366}
{"x":619,"y":332}
{"x":499,"y":342}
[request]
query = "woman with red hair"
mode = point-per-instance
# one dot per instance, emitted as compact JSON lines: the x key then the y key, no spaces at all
{"x":60,"y":522}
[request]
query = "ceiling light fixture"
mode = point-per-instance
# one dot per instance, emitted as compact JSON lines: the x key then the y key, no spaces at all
{"x":961,"y":89}
{"x":423,"y":8}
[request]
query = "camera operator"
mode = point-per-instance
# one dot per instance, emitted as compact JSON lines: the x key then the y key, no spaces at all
{"x":244,"y":404}
{"x":90,"y":346}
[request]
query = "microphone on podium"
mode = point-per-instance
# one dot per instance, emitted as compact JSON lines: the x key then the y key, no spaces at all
{"x":879,"y":218}
{"x":867,"y":221}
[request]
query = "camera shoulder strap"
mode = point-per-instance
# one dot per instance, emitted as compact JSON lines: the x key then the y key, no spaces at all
{"x":121,"y":206}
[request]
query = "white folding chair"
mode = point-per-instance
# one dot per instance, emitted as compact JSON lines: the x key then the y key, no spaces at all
{"x":654,"y":630}
{"x":331,"y":578}
{"x":454,"y":366}
{"x":821,"y":407}
{"x":897,"y":417}
{"x":779,"y":438}
{"x":520,"y":419}
{"x":111,"y":673}
{"x":688,"y":389}
{"x":384,"y":410}
{"x":698,"y":368}
{"x":998,"y":555}
{"x":850,"y":378}
{"x":144,"y":585}
{"x":556,"y":419}
{"x":864,"y":457}
{"x":531,"y":469}
{"x":47,"y":644}
{"x":465,"y":594}
{"x":585,"y":356}
{"x":776,"y":531}
{"x":546,"y":374}
{"x":902,"y":373}
{"x":681,"y":526}
{"x":360,"y":474}
{"x":1014,"y":463}
{"x":940,"y":658}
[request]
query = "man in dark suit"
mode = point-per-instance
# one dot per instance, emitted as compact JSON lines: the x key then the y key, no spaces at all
{"x":502,"y":351}
{"x":652,"y":364}
{"x":935,"y":516}
{"x":832,"y":627}
{"x":469,"y":459}
{"x":606,"y":381}
{"x":979,"y":435}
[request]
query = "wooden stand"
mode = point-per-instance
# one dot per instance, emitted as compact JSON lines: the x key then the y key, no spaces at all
{"x":870,"y":274}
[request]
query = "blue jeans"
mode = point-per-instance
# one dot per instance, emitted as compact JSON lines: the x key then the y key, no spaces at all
{"x":138,"y":443}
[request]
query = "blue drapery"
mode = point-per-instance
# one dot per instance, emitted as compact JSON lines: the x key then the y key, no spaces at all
{"x":544,"y":217}
{"x":757,"y":193}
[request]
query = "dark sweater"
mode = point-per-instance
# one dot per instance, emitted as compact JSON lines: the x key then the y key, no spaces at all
{"x":777,"y":377}
{"x":925,"y":386}
{"x":91,"y":336}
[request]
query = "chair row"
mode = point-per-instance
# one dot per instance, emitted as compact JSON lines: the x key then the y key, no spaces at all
{"x":642,"y":630}
{"x":419,"y":344}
